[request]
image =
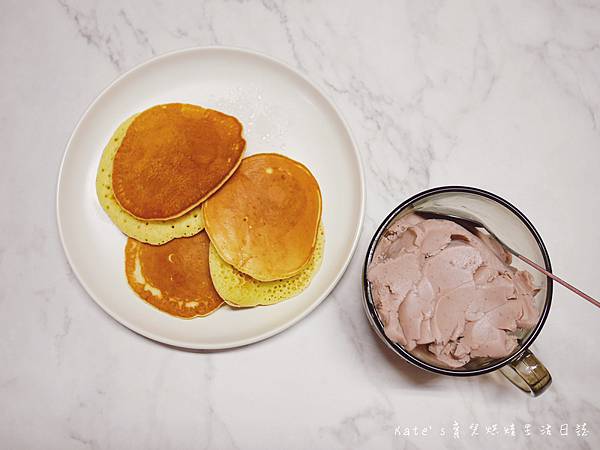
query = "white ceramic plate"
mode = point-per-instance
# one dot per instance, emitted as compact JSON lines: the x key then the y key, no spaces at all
{"x":281,"y":112}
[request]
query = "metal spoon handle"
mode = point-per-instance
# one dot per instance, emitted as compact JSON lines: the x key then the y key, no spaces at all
{"x":558,"y":280}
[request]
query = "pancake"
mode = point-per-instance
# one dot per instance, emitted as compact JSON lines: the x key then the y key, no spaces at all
{"x":173,"y":157}
{"x":155,"y":233}
{"x":240,"y":290}
{"x":264,"y":220}
{"x":175,"y":277}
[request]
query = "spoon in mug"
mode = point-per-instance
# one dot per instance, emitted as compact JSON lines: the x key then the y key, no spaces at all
{"x":472,"y":224}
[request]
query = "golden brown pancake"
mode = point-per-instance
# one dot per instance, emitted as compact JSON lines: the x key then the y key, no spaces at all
{"x":153,"y":232}
{"x":173,"y":157}
{"x":174,"y":277}
{"x":264,"y":220}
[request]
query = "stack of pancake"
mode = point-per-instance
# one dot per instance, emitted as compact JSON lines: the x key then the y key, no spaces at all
{"x":204,"y":225}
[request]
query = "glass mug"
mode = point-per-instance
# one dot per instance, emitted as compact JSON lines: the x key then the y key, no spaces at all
{"x":511,"y":226}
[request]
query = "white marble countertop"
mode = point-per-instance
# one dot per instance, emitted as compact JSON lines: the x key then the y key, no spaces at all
{"x":500,"y":95}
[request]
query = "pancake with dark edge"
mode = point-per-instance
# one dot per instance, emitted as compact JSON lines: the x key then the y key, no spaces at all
{"x":152,"y":232}
{"x":173,"y":157}
{"x":175,"y":277}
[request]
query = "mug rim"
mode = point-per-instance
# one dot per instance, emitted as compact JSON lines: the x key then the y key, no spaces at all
{"x":373,"y":316}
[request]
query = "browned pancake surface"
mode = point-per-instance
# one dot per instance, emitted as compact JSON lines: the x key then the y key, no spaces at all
{"x":174,"y":277}
{"x":173,"y":157}
{"x":264,"y":220}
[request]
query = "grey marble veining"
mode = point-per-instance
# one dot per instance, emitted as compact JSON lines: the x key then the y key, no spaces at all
{"x":499,"y":95}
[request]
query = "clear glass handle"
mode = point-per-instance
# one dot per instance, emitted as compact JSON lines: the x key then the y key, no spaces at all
{"x":528,"y":374}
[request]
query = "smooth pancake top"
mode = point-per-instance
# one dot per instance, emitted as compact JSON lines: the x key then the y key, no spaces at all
{"x":264,"y":220}
{"x":153,"y":232}
{"x":173,"y":157}
{"x":174,"y":277}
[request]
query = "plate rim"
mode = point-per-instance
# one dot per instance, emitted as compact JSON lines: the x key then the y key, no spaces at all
{"x":182,"y":344}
